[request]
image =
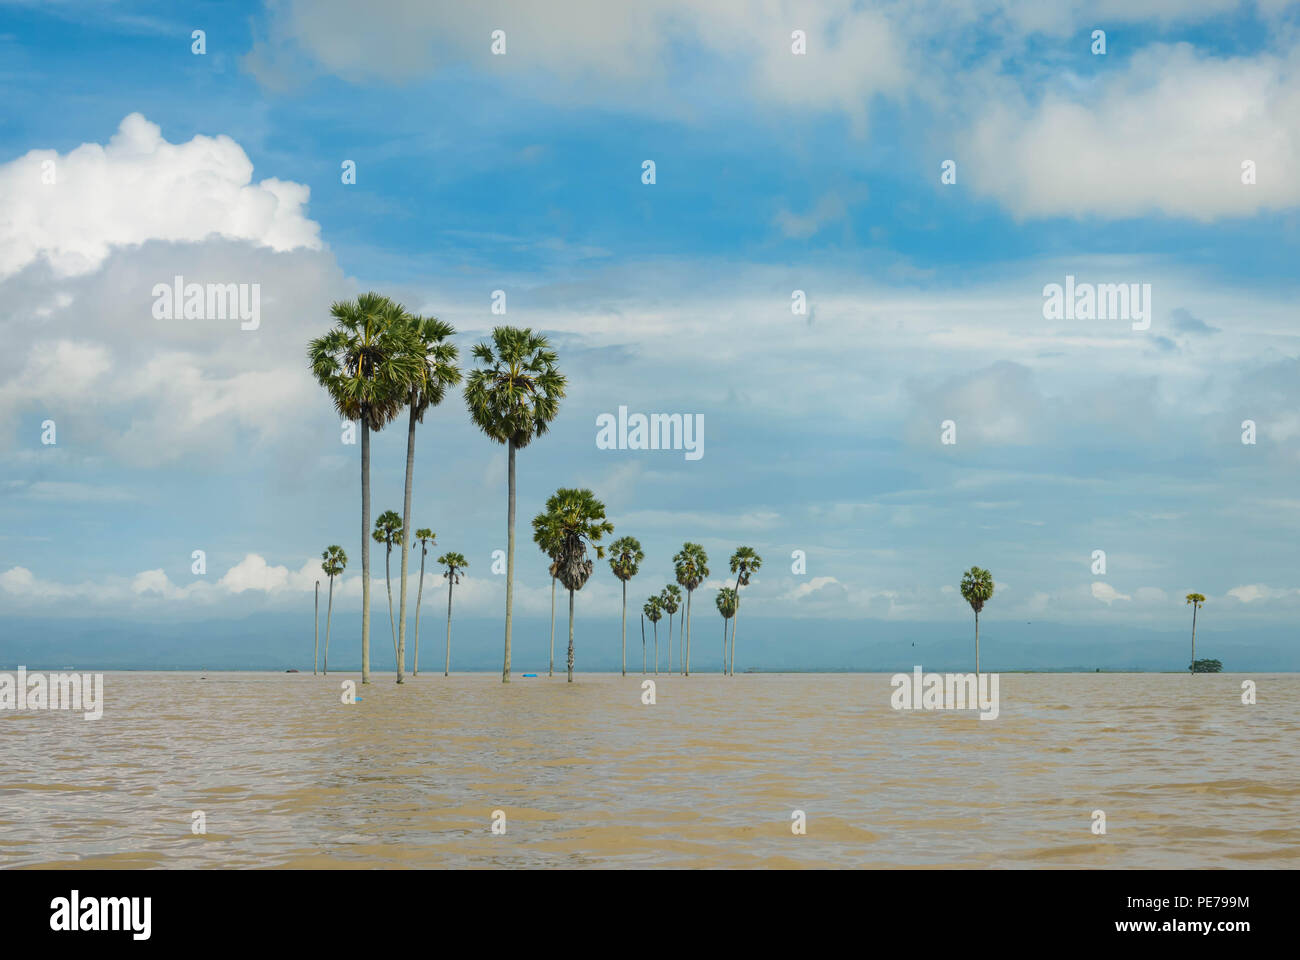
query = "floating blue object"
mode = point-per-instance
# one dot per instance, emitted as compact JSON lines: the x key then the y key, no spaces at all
{"x":530,"y":674}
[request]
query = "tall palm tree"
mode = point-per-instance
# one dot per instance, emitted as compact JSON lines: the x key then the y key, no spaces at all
{"x":744,"y":563}
{"x":436,"y":372}
{"x":513,"y":398}
{"x":625,"y":558}
{"x":365,"y":365}
{"x":727,"y":601}
{"x":388,"y":531}
{"x":691,"y":565}
{"x":1195,"y":599}
{"x":671,"y":600}
{"x":424,"y":536}
{"x":653,"y":610}
{"x":333,"y":562}
{"x":977,"y":588}
{"x":455,"y":563}
{"x":549,"y":542}
{"x":579,"y":520}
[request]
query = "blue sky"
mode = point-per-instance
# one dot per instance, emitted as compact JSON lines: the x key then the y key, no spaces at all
{"x":774,"y":172}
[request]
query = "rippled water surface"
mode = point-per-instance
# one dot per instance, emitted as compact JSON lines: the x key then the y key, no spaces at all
{"x":587,"y":775}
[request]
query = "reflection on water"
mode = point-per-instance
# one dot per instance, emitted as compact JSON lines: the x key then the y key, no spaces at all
{"x":708,"y":777}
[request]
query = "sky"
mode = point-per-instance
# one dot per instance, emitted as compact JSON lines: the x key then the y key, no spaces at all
{"x":1171,"y":159}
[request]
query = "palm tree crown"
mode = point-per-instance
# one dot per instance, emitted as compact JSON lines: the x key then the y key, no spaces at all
{"x":575,"y":520}
{"x":744,"y":563}
{"x":977,"y":587}
{"x":333,"y":561}
{"x":653,"y":609}
{"x":516,"y":394}
{"x":670,"y":598}
{"x":388,"y":528}
{"x":1196,"y":598}
{"x":691,"y":565}
{"x":365,"y":362}
{"x":726,"y":601}
{"x":625,"y":557}
{"x":436,"y":359}
{"x":455,"y":564}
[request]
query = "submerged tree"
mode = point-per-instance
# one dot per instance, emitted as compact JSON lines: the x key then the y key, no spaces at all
{"x":671,"y":600}
{"x":726,"y":602}
{"x":366,"y":366}
{"x":654,"y":610}
{"x":977,"y":588}
{"x":691,"y":565}
{"x":425,"y":538}
{"x":625,"y":558}
{"x":333,"y":562}
{"x":1196,"y":600}
{"x":744,"y":564}
{"x":578,"y":520}
{"x":455,"y":563}
{"x":513,"y":398}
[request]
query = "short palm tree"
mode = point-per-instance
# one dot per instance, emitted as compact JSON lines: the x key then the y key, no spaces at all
{"x":691,"y":565}
{"x":333,"y":562}
{"x":388,"y":531}
{"x":977,"y":588}
{"x":671,"y":600}
{"x":744,"y":563}
{"x":653,"y":610}
{"x":425,"y":538}
{"x":1195,"y":599}
{"x":513,"y":398}
{"x":436,"y":371}
{"x":455,"y":563}
{"x":365,"y":365}
{"x":578,"y":519}
{"x":727,"y":601}
{"x":625,"y":558}
{"x":549,"y":542}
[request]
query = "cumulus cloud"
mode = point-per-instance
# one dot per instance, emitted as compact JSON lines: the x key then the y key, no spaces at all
{"x":1106,"y":593}
{"x":137,"y":188}
{"x":1167,"y":134}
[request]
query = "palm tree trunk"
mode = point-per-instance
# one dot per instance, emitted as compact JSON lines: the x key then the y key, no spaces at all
{"x":388,"y":576}
{"x":406,"y":541}
{"x":550,"y":671}
{"x":735,"y":620}
{"x":446,"y":666}
{"x":724,"y":646}
{"x":977,"y":643}
{"x":656,"y":625}
{"x":570,"y":635}
{"x":329,"y":614}
{"x":689,"y":594}
{"x":1192,"y":668}
{"x":510,"y":559}
{"x":419,"y":593}
{"x":625,"y":628}
{"x":670,"y":643}
{"x":315,"y":644}
{"x":643,"y":644}
{"x":365,"y":547}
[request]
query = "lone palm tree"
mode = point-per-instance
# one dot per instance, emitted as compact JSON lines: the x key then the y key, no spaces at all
{"x":388,"y":531}
{"x":691,"y":565}
{"x":424,"y":536}
{"x":548,"y":541}
{"x":315,"y":646}
{"x":727,"y":601}
{"x":671,"y":600}
{"x":1195,"y":599}
{"x":333,"y":562}
{"x":436,"y":370}
{"x":513,"y":398}
{"x":365,"y":365}
{"x":578,"y":518}
{"x":977,"y":588}
{"x":653,"y":610}
{"x":744,"y":563}
{"x":625,"y":558}
{"x":455,"y":563}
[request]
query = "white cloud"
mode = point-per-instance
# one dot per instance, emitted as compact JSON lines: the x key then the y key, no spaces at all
{"x":1106,"y":593}
{"x":1167,"y":133}
{"x":138,"y":188}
